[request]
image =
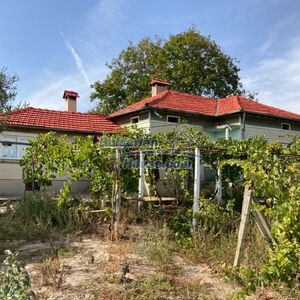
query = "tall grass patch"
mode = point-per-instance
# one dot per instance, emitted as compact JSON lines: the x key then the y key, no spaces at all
{"x":39,"y":216}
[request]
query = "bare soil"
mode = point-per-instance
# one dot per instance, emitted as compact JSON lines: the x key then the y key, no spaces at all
{"x":91,"y":267}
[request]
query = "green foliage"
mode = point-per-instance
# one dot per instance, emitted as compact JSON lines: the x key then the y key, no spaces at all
{"x":181,"y":226}
{"x":81,"y":158}
{"x":191,"y":62}
{"x":14,"y":279}
{"x":8,"y":90}
{"x":216,"y":219}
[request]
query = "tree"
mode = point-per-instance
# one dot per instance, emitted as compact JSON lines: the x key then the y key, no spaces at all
{"x":8,"y":90}
{"x":191,"y":62}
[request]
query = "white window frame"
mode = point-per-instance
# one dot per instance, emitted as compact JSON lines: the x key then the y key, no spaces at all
{"x":172,"y":116}
{"x":19,"y":139}
{"x":289,"y":125}
{"x":138,"y":120}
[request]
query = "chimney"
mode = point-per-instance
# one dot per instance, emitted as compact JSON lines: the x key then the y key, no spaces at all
{"x":158,"y":86}
{"x":70,"y":101}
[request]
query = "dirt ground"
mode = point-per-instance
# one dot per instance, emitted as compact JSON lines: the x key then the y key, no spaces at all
{"x":91,"y":267}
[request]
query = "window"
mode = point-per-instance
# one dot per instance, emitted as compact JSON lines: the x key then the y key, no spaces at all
{"x":285,"y":126}
{"x":135,"y":120}
{"x":173,"y":119}
{"x":22,"y":147}
{"x":9,"y":147}
{"x":12,"y":146}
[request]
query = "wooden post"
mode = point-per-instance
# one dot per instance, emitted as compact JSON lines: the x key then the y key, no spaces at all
{"x":263,"y":225}
{"x":141,"y":182}
{"x":243,"y":225}
{"x":196,"y":186}
{"x":117,"y":193}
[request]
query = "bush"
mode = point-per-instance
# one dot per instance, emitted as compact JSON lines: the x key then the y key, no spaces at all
{"x":14,"y":279}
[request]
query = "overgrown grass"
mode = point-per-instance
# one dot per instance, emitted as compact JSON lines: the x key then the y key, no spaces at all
{"x":214,"y":242}
{"x":39,"y":216}
{"x":158,"y":245}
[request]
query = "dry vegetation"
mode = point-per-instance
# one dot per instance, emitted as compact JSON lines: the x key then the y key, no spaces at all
{"x":147,"y":261}
{"x":96,"y":268}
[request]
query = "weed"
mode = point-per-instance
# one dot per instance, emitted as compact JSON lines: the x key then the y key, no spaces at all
{"x":52,"y":270}
{"x":158,"y":247}
{"x":39,"y":216}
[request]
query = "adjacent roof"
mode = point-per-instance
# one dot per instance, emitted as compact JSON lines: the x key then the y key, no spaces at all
{"x":60,"y":121}
{"x":205,"y":106}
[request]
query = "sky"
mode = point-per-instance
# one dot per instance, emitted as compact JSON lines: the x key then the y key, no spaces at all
{"x":53,"y":45}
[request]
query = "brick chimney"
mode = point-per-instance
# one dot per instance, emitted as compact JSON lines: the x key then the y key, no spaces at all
{"x":70,"y":101}
{"x":158,"y":86}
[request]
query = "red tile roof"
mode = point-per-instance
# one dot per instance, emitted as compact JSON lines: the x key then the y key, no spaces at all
{"x":175,"y":101}
{"x":61,"y":121}
{"x":205,"y":106}
{"x":239,"y":103}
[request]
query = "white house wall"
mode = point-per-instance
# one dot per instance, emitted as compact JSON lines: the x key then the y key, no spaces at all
{"x":11,"y":183}
{"x":272,"y":134}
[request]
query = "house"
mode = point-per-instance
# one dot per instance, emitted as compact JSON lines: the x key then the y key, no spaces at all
{"x":233,"y":117}
{"x":25,"y":124}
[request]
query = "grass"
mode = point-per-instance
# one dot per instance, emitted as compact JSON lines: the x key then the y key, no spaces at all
{"x":158,"y":246}
{"x":39,"y":216}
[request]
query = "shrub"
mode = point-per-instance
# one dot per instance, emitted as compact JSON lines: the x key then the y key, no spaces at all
{"x":14,"y":279}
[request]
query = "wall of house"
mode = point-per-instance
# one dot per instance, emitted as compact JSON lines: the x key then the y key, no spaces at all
{"x":11,"y":183}
{"x":144,"y":120}
{"x":159,"y":121}
{"x":270,"y":128}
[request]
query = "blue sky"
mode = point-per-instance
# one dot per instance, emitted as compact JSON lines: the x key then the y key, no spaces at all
{"x":64,"y":44}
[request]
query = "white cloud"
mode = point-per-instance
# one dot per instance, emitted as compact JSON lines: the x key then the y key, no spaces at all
{"x":277,"y":79}
{"x":77,"y":59}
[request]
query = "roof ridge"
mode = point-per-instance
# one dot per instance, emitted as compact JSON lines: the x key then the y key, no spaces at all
{"x":193,"y":95}
{"x":159,"y":97}
{"x":56,"y":111}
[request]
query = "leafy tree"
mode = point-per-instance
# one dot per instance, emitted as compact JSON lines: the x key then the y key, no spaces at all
{"x":191,"y":62}
{"x":8,"y":89}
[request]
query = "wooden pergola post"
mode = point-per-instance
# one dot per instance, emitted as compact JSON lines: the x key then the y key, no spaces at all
{"x":243,"y":225}
{"x":219,"y":187}
{"x":116,"y":201}
{"x":141,"y":182}
{"x":196,"y":186}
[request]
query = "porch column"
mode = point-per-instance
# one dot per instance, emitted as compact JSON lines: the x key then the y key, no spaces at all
{"x":196,"y":186}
